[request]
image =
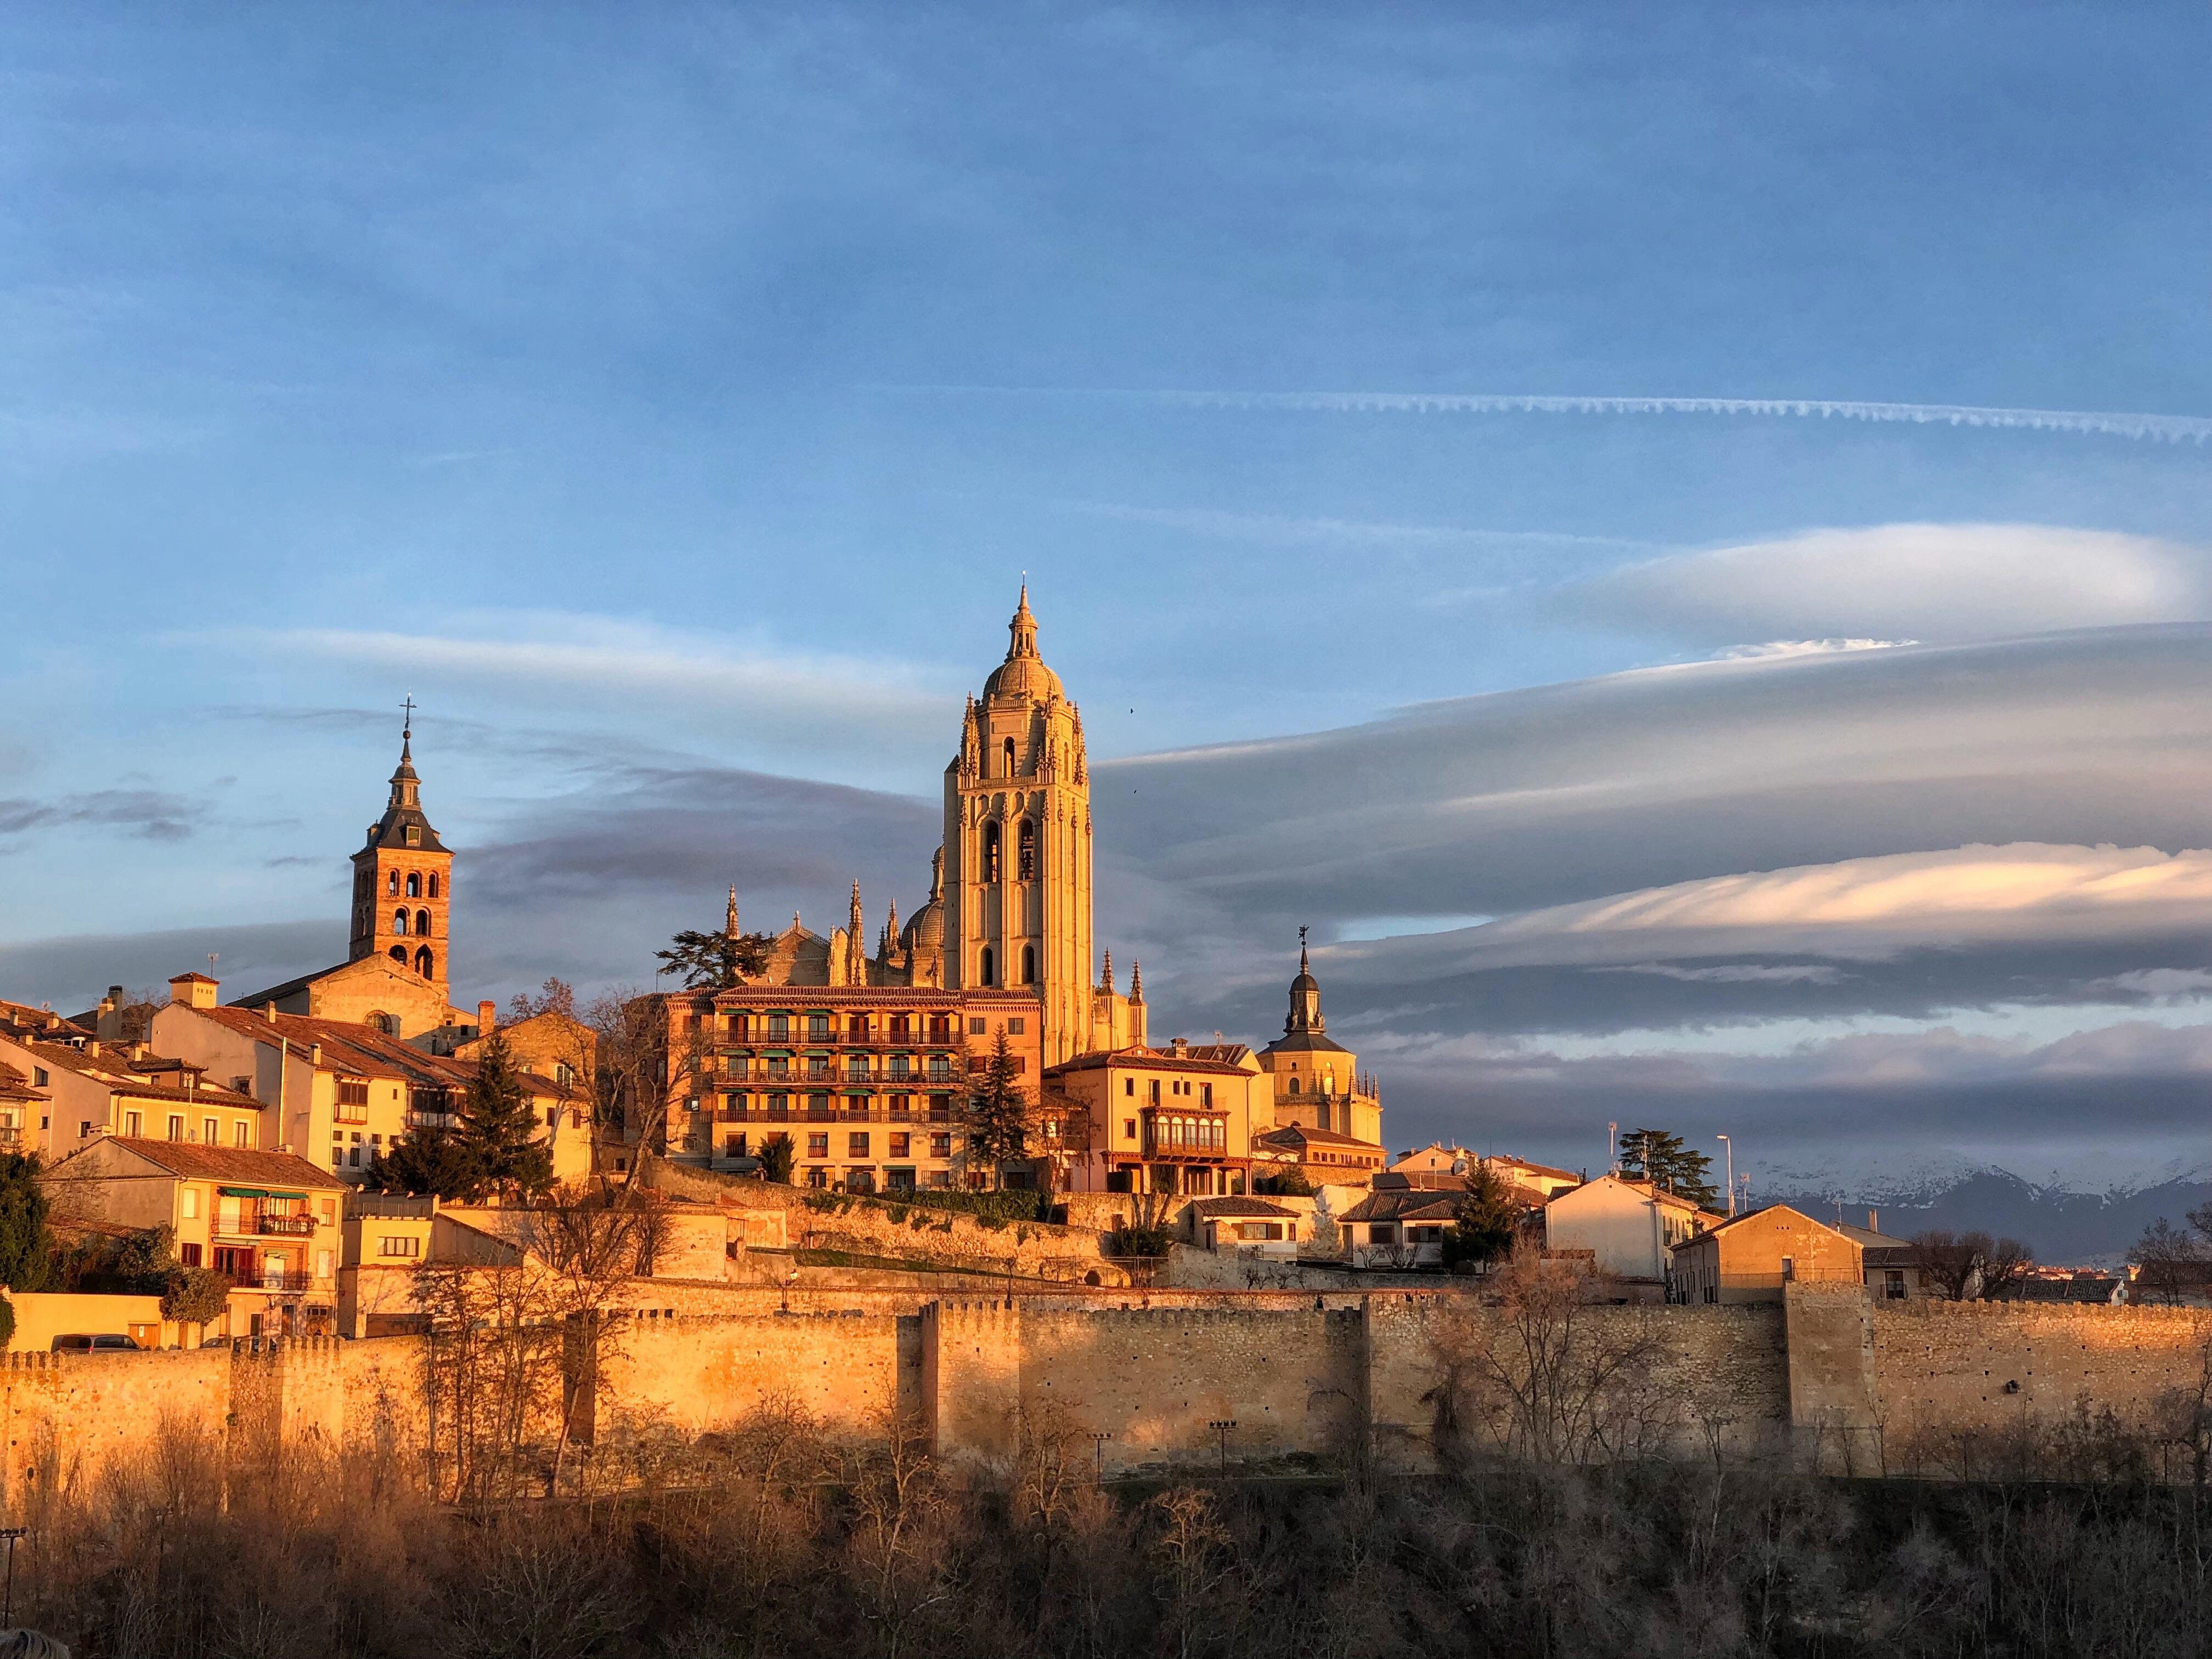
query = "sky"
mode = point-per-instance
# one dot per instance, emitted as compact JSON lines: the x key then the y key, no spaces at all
{"x":1675,"y":538}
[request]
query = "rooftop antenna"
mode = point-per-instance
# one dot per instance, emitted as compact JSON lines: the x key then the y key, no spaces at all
{"x":212,"y":961}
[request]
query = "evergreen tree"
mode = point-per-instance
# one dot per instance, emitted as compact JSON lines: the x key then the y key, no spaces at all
{"x":1655,"y":1155}
{"x":775,"y":1151}
{"x":716,"y":961}
{"x":498,"y":1131}
{"x":26,"y":1248}
{"x":998,"y":1112}
{"x":429,"y":1161}
{"x":1484,"y":1220}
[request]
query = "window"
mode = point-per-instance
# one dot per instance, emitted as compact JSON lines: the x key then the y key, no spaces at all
{"x":241,"y":1133}
{"x":940,"y":1145}
{"x":856,"y":1144}
{"x":414,"y":836}
{"x":1128,"y":1086}
{"x":1128,"y":1128}
{"x":856,"y":1068}
{"x":902,"y":1105}
{"x":817,"y":1066}
{"x":817,"y":1028}
{"x":1010,"y":757}
{"x":1382,"y":1232}
{"x":1026,"y":851}
{"x":393,"y":1244}
{"x":433,"y":884}
{"x":38,"y":1076}
{"x":422,"y":923}
{"x":1016,"y":1026}
{"x":778,"y":1026}
{"x":210,"y":1131}
{"x":188,"y":1254}
{"x":899,"y":1146}
{"x":1294,"y":1086}
{"x":1206,"y":1095}
{"x":818,"y":1105}
{"x":779,"y":1065}
{"x":1789,"y":1269}
{"x":176,"y":1128}
{"x":1155,"y":1092}
{"x":856,"y":1029}
{"x":899,"y":1065}
{"x":818,"y":1177}
{"x":191,"y":1203}
{"x":899,"y":1027}
{"x":564,"y":1073}
{"x":990,"y":852}
{"x":398,"y":923}
{"x":424,"y":964}
{"x":391,"y":884}
{"x":414,"y":885}
{"x":818,"y":1145}
{"x":1893,"y":1283}
{"x":990,"y":967}
{"x":400,"y":955}
{"x":132,"y":1124}
{"x":978,"y":1027}
{"x":1029,"y":964}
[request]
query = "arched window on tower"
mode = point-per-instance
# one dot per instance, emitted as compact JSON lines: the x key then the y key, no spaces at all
{"x":422,"y":923}
{"x":398,"y":923}
{"x":990,"y":852}
{"x":1029,"y":964}
{"x":414,"y":884}
{"x":1010,"y":757}
{"x":1025,"y":850}
{"x":989,"y":966}
{"x":391,"y":884}
{"x":422,"y":962}
{"x":1294,"y":1086}
{"x":400,"y":955}
{"x":434,"y":884}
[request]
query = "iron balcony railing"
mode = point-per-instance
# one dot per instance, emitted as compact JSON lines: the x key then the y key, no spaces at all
{"x":285,"y":1226}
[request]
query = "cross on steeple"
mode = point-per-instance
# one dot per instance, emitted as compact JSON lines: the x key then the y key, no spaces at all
{"x":407,"y":728}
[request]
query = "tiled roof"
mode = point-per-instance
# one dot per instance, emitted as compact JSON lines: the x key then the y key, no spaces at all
{"x":1294,"y":1134}
{"x":13,"y":1085}
{"x":1403,"y":1206}
{"x":1209,"y":1208}
{"x":363,"y":1050}
{"x":1150,"y":1060}
{"x":235,"y":1163}
{"x":115,"y":1072}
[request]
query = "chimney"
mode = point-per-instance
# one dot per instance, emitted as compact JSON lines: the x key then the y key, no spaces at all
{"x":1874,"y":1222}
{"x":1181,"y":1047}
{"x":269,"y":1013}
{"x":194,"y":990}
{"x":315,"y":1054}
{"x":487,"y":1016}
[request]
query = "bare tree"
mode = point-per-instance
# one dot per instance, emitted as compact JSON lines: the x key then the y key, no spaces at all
{"x":2170,"y":1261}
{"x":1948,"y":1262}
{"x":1547,"y":1375}
{"x":630,"y":1094}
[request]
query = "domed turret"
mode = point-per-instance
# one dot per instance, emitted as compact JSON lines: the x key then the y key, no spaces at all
{"x":1023,"y":674}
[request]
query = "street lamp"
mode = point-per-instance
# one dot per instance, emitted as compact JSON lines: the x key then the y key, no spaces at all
{"x":1221,"y":1425}
{"x":1731,"y":1144}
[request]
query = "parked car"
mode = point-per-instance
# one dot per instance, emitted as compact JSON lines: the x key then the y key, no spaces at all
{"x":102,"y":1342}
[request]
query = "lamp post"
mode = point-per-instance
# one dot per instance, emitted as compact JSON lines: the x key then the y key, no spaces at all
{"x":1098,"y":1440}
{"x":1221,"y":1425}
{"x":1731,"y":1144}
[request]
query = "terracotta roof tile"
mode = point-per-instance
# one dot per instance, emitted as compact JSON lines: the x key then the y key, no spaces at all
{"x":198,"y":1163}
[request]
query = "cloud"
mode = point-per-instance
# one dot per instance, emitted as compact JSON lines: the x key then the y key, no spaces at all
{"x":1863,"y":586}
{"x":2166,"y":428}
{"x":146,"y":814}
{"x":788,"y":703}
{"x":1773,"y":649}
{"x":1783,"y":973}
{"x":2159,"y":984}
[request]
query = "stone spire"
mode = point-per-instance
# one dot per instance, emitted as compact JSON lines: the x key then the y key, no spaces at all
{"x":1023,"y":628}
{"x":1305,"y":997}
{"x":856,"y":958}
{"x":1106,"y":978}
{"x":730,"y":915}
{"x":890,"y":930}
{"x":1136,"y":982}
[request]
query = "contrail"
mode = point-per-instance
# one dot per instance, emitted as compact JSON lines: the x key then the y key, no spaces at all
{"x":2165,"y":429}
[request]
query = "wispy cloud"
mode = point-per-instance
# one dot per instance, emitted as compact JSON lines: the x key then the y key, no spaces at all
{"x":1877,"y":583}
{"x":1278,"y":527}
{"x":147,"y":814}
{"x":2168,"y":428}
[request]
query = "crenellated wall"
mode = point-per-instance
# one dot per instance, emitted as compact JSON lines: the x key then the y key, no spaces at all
{"x":1148,"y":1376}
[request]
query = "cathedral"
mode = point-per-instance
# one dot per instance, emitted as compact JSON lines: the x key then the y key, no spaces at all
{"x":858,"y":1051}
{"x":1009,"y":904}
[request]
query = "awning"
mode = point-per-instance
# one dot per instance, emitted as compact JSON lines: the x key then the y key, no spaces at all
{"x":242,"y":1192}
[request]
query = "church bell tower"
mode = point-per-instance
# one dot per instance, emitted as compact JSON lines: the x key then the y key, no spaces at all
{"x":1017,"y":844}
{"x":403,"y":881}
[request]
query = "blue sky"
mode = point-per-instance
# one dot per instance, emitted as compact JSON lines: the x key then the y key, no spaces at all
{"x":670,"y":401}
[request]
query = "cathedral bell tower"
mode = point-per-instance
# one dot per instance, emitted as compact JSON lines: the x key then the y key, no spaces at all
{"x":1017,"y":844}
{"x":403,"y":881}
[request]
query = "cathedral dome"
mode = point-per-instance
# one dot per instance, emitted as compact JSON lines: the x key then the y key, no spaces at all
{"x":1023,"y":674}
{"x":925,"y":928}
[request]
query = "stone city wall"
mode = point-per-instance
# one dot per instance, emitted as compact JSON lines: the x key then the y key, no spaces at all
{"x":1305,"y":1377}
